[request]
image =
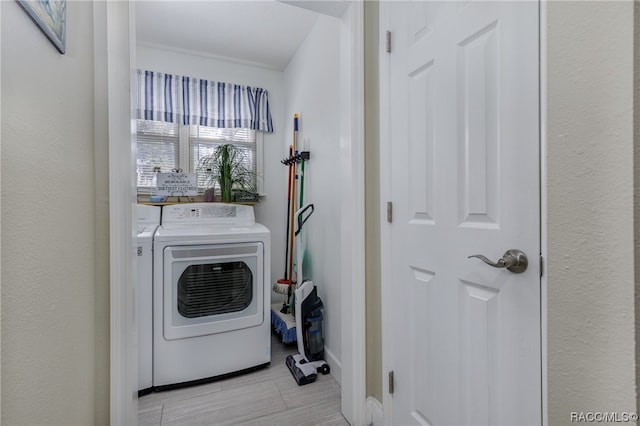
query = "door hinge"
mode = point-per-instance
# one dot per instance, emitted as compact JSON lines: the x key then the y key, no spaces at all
{"x":389,"y":211}
{"x":391,"y":382}
{"x":541,"y":266}
{"x":388,"y":44}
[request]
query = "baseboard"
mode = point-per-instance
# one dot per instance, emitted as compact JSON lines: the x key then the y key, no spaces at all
{"x":335,"y":364}
{"x":374,"y":415}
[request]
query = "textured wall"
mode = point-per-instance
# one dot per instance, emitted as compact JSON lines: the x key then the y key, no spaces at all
{"x":102,"y":259}
{"x":591,"y":334}
{"x":48,"y":222}
{"x":636,"y":183}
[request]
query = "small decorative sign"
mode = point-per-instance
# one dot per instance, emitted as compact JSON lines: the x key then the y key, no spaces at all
{"x":177,"y":184}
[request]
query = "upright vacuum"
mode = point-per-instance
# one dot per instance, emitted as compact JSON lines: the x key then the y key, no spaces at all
{"x":306,"y":364}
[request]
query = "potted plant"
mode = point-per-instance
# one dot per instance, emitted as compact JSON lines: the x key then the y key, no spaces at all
{"x":226,"y":169}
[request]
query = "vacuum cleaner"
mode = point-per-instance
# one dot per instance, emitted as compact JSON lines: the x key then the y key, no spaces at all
{"x":306,"y":364}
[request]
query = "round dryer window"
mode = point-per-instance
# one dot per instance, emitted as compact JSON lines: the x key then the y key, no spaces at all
{"x":214,"y":289}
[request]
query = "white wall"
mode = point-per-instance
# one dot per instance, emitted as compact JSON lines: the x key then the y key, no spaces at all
{"x":271,"y":211}
{"x":312,"y":82}
{"x":49,"y":238}
{"x":591,"y":333}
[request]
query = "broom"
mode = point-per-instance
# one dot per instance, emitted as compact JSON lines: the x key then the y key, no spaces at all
{"x":282,"y":285}
{"x":293,"y":206}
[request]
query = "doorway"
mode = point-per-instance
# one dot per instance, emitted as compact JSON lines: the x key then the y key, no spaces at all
{"x":350,"y":213}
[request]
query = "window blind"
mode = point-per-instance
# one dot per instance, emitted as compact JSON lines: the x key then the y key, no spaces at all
{"x":157,"y":150}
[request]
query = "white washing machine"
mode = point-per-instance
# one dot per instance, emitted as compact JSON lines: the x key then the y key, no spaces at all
{"x":148,"y":222}
{"x":211,"y":295}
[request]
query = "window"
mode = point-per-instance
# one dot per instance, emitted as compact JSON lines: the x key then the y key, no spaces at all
{"x":204,"y":140}
{"x":157,"y":151}
{"x":163,"y":147}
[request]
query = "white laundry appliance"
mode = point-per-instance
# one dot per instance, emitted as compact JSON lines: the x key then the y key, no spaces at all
{"x":148,"y":221}
{"x":211,"y":293}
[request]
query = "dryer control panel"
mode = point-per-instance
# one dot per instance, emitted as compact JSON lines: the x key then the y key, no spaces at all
{"x":216,"y":213}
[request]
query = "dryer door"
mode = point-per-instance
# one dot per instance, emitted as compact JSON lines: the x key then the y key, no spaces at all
{"x":212,"y":289}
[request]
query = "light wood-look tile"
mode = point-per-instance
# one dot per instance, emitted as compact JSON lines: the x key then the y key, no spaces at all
{"x":266,"y":397}
{"x":156,"y":399}
{"x":324,"y":389}
{"x":150,"y":416}
{"x":226,"y":407}
{"x":325,"y":414}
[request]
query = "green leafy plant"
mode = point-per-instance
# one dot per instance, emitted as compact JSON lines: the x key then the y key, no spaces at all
{"x":226,"y":168}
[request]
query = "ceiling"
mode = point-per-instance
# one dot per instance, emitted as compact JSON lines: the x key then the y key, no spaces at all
{"x":264,"y":33}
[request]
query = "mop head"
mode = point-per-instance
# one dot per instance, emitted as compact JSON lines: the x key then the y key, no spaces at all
{"x":282,"y":286}
{"x":283,"y":324}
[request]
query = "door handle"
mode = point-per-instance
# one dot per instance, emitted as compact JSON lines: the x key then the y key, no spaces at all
{"x":514,"y":260}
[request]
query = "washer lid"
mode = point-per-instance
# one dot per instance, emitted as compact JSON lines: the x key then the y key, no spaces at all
{"x":147,"y":215}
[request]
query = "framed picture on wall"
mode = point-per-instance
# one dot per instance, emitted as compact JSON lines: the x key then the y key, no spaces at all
{"x":51,"y":17}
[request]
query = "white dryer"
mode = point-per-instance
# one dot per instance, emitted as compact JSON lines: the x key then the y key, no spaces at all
{"x":148,"y":221}
{"x":211,"y":293}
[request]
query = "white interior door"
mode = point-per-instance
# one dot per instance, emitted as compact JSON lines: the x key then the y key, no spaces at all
{"x":462,"y":138}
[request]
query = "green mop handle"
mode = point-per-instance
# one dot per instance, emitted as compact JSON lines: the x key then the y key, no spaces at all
{"x":303,"y":214}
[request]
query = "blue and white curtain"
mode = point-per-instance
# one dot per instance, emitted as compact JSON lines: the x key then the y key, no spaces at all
{"x":187,"y":100}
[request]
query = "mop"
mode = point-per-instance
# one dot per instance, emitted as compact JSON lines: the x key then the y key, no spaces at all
{"x":293,"y":204}
{"x":305,"y":365}
{"x":282,"y":319}
{"x":283,"y":285}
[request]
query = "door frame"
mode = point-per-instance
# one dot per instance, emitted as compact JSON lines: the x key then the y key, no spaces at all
{"x":385,"y":195}
{"x":542,"y":32}
{"x":120,"y":40}
{"x":117,"y":24}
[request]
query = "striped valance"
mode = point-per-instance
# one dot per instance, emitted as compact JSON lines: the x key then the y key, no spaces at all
{"x":188,"y":100}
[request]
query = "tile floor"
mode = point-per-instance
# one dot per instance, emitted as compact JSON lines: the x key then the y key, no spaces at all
{"x":266,"y":397}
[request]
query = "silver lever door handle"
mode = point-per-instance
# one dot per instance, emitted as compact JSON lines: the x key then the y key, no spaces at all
{"x":514,"y":260}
